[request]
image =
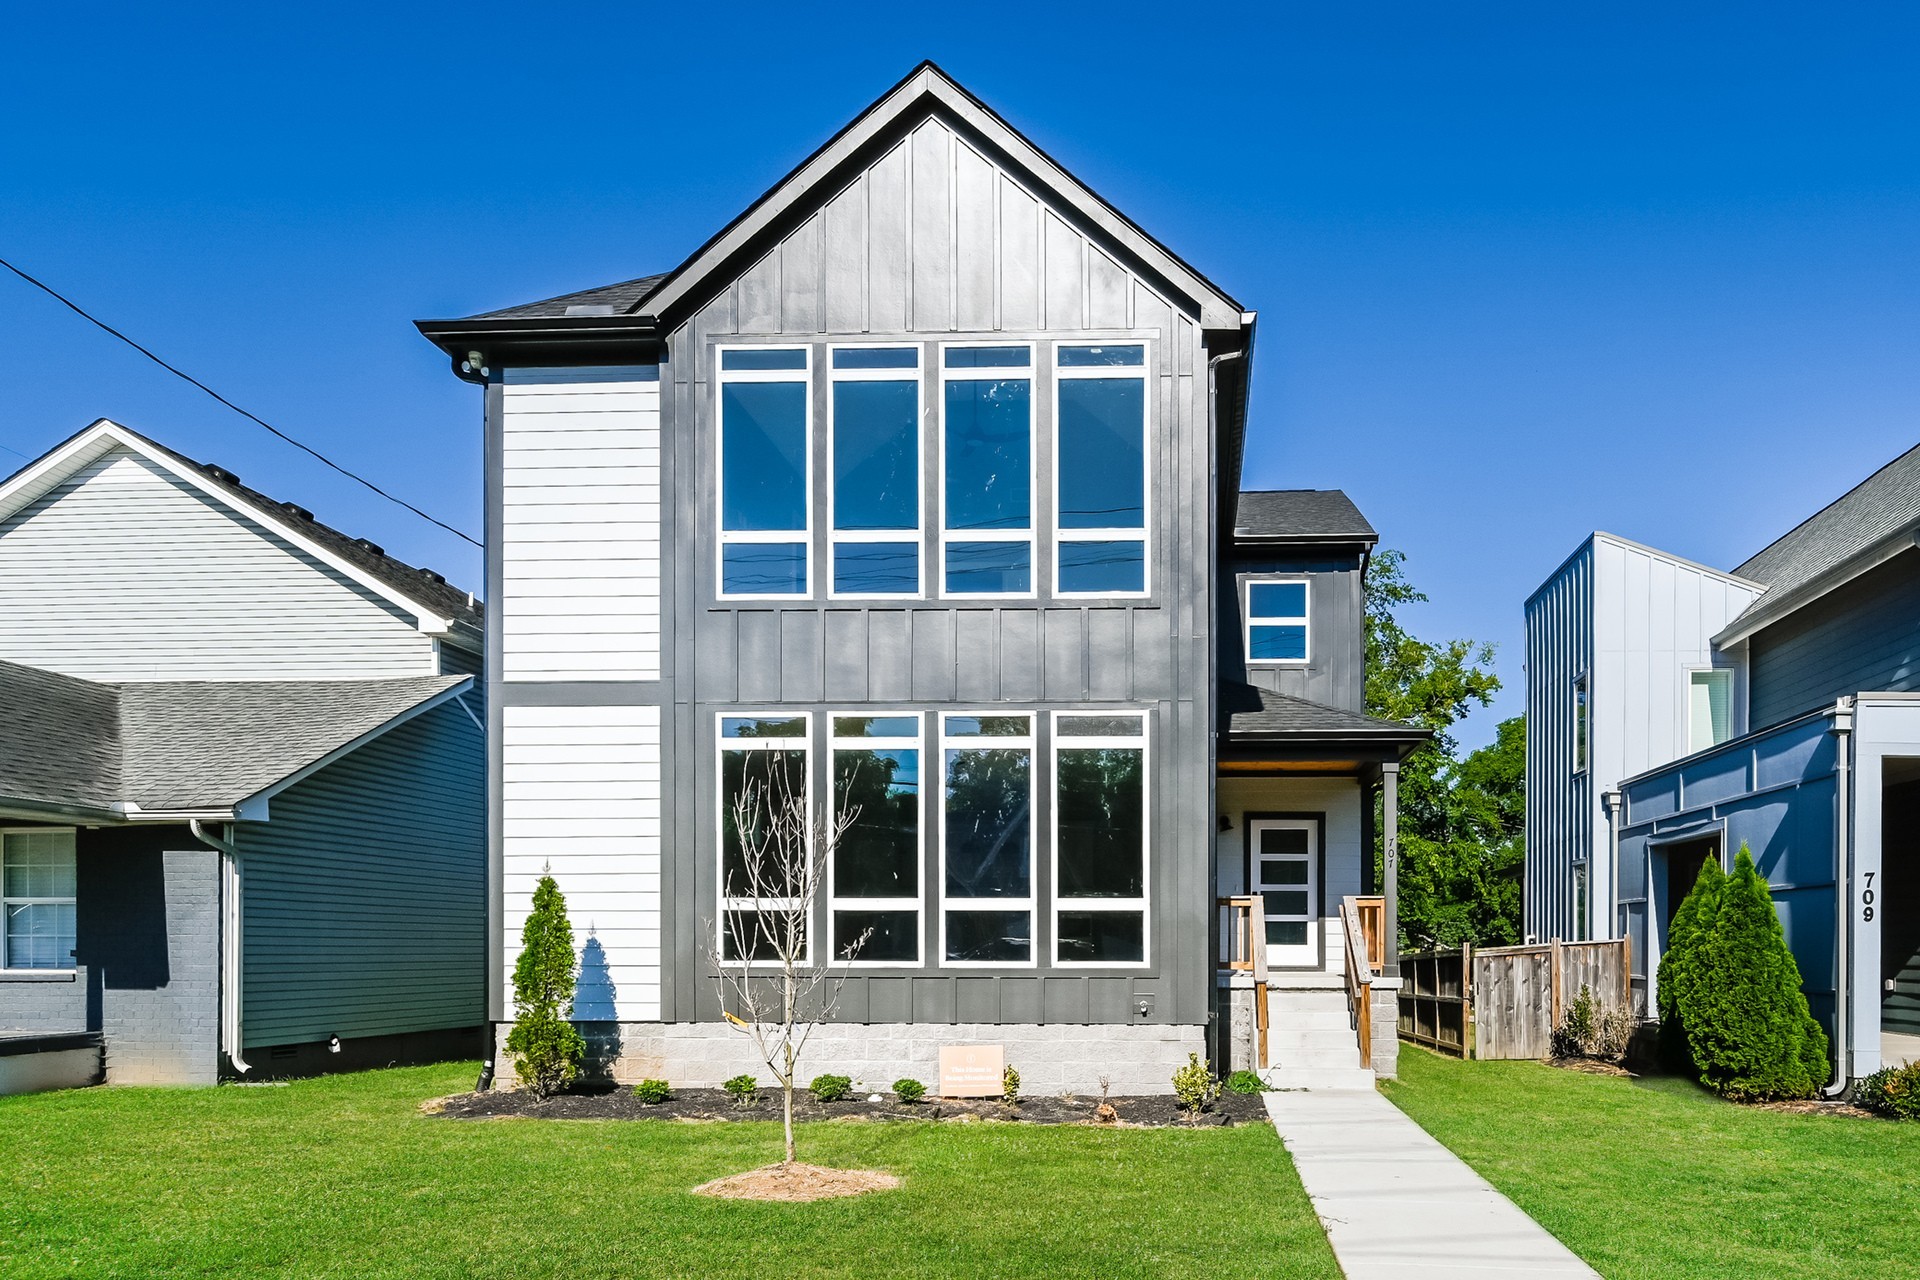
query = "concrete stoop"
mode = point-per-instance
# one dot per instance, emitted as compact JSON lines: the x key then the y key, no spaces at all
{"x":1310,"y":1039}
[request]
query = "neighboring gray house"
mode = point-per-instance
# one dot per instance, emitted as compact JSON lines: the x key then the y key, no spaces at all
{"x":927,"y":465}
{"x":242,"y":772}
{"x":1675,"y":712}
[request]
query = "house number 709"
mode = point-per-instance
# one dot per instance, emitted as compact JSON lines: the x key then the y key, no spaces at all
{"x":1866,"y":898}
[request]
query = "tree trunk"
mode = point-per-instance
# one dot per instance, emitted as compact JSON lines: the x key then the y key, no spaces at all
{"x":787,"y":1092}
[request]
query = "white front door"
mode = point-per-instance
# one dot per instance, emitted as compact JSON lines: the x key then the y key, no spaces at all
{"x":1286,"y":873}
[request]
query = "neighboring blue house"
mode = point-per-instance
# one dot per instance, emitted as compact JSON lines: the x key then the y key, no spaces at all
{"x":242,"y":783}
{"x":927,"y":467}
{"x":1676,"y":712}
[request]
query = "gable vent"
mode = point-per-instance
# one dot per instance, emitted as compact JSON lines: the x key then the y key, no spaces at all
{"x":295,"y":509}
{"x":374,"y":547}
{"x":220,"y":473}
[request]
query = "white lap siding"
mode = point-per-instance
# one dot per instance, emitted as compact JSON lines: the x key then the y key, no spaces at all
{"x":580,"y":502}
{"x":580,"y":801}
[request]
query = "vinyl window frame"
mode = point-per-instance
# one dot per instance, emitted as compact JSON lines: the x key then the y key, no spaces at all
{"x":69,"y":963}
{"x":1031,"y":744}
{"x":1031,"y":534}
{"x":1686,"y":694}
{"x":1143,"y":535}
{"x":1142,"y":904}
{"x":918,"y":534}
{"x":1248,"y":621}
{"x":836,"y":744}
{"x":722,"y":902}
{"x":723,"y":537}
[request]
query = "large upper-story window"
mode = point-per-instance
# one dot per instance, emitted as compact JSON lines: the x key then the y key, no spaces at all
{"x":1100,"y":469}
{"x":1277,"y":621}
{"x":876,"y":471}
{"x":987,"y":470}
{"x":766,"y":480}
{"x":986,"y":852}
{"x":763,"y":810}
{"x":875,"y":884}
{"x":37,"y":895}
{"x":1100,"y":838}
{"x":1709,"y":708}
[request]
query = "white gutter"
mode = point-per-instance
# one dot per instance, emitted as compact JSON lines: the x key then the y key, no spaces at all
{"x":230,"y":940}
{"x":1842,"y":892}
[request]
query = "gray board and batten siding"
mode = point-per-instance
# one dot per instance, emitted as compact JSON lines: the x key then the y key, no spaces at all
{"x":1863,"y":636}
{"x":1334,"y":673}
{"x":934,"y":237}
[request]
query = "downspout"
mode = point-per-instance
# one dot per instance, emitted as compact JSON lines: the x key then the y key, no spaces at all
{"x":1842,"y":891}
{"x":1611,"y":801}
{"x":230,"y":953}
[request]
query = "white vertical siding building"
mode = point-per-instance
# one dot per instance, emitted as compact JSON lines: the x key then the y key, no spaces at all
{"x":1622,"y":676}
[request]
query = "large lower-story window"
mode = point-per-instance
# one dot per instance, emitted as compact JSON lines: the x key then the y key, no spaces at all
{"x":875,"y":885}
{"x":766,"y":835}
{"x":37,"y":896}
{"x":1100,"y":838}
{"x":987,"y":846}
{"x":766,"y":485}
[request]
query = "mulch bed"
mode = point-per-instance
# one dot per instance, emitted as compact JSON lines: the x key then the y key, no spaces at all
{"x":797,"y":1183}
{"x":714,"y":1104}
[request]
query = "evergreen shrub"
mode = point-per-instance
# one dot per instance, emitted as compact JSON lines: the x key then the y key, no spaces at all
{"x":1892,"y":1092}
{"x":831,"y":1088}
{"x":544,"y":1045}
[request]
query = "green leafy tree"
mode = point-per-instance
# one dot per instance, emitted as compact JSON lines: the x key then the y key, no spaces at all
{"x":545,"y":1046}
{"x":1461,"y":821}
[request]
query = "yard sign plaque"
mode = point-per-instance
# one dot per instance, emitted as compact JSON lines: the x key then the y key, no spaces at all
{"x":971,"y":1070}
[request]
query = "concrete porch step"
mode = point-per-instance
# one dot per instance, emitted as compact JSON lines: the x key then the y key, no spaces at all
{"x":1329,"y":1040}
{"x":1338,"y":1079}
{"x":1305,"y":980}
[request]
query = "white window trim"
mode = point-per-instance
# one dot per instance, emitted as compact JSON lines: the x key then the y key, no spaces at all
{"x":723,"y":903}
{"x":917,"y":534}
{"x":1031,"y":534}
{"x":6,"y":900}
{"x":917,"y":903}
{"x":1061,"y":535}
{"x":1142,"y":743}
{"x":1248,"y":622}
{"x":723,"y":537}
{"x":1686,"y":705}
{"x":1031,"y":743}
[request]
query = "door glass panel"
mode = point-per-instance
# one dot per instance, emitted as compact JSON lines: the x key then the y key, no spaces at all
{"x":1283,"y":840}
{"x":1286,"y":933}
{"x":1282,"y":873}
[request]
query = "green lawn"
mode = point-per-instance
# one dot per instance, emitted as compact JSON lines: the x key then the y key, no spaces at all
{"x":343,"y":1177}
{"x":1657,"y":1178}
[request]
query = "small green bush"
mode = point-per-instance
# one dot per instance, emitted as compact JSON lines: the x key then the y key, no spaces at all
{"x":653,"y":1092}
{"x":1891,"y":1091}
{"x":743,"y":1089}
{"x":909,"y":1090}
{"x":1589,"y":1029}
{"x":1195,"y":1085}
{"x":1010,"y":1087}
{"x":1730,"y":988}
{"x":1246,"y":1082}
{"x":544,"y":1045}
{"x":831,"y":1088}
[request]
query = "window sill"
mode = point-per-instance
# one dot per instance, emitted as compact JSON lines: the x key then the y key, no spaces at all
{"x":39,"y":975}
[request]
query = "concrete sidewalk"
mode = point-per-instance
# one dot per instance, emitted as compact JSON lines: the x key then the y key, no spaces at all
{"x":1396,"y":1203}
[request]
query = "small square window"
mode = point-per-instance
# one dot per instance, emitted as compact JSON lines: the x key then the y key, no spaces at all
{"x":1277,"y":621}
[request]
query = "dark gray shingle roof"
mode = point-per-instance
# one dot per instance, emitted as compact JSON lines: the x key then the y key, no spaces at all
{"x":170,"y":745}
{"x":1882,"y":504}
{"x":1300,"y":514}
{"x":1248,"y":711}
{"x":59,"y":739}
{"x":623,"y":298}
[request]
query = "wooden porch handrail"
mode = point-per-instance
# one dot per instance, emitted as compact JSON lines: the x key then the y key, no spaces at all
{"x":1372,"y":910}
{"x":1246,"y":942}
{"x":1360,"y":971}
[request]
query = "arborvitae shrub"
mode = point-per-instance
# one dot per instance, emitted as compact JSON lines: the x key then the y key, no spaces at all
{"x":1010,"y":1086}
{"x":545,"y":1048}
{"x":1748,"y":1029}
{"x":831,"y":1088}
{"x":1688,"y":939}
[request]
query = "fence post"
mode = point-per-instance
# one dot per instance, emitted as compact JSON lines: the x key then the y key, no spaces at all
{"x":1553,"y":984}
{"x":1467,"y":1025}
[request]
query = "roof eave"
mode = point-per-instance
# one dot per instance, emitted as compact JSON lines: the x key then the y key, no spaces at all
{"x":1340,"y":541}
{"x":545,"y":340}
{"x":1771,"y":608}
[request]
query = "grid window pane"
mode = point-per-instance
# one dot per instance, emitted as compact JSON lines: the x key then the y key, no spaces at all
{"x":989,"y":568}
{"x":1103,"y":937}
{"x":891,"y":936}
{"x":877,"y":358}
{"x":988,"y":844}
{"x":764,"y":568}
{"x":40,"y":935}
{"x":764,"y":358}
{"x":989,"y":454}
{"x":876,"y":568}
{"x":988,"y":357}
{"x":1000,"y":936}
{"x":764,"y":434}
{"x":878,"y":855}
{"x":759,"y":791}
{"x":756,"y":935}
{"x":1103,"y":566}
{"x":1277,"y":599}
{"x":876,"y":727}
{"x":876,"y":455}
{"x":1102,"y":463}
{"x":1101,"y":804}
{"x":1102,"y":356}
{"x":1277,"y":644}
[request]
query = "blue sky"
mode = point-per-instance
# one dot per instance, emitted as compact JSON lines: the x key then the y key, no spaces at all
{"x":1521,"y":274}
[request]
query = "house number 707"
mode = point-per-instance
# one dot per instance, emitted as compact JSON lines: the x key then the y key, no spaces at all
{"x":1866,"y":898}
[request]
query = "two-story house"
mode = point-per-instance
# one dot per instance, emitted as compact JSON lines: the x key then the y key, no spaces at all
{"x":925,"y":469}
{"x":1676,"y":712}
{"x":242,"y":783}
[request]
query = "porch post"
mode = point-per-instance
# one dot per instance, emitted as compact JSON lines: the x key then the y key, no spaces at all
{"x":1368,"y":786}
{"x":1390,"y":868}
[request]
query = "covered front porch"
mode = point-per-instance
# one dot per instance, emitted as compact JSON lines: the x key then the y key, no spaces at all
{"x":1307,"y":964}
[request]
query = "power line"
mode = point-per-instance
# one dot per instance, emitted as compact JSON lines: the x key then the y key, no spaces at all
{"x":75,"y":307}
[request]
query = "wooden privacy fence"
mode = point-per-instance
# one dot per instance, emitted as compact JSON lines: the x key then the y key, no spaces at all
{"x":1504,"y":1002}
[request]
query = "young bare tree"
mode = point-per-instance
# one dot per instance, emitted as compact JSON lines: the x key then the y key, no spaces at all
{"x":773,"y":984}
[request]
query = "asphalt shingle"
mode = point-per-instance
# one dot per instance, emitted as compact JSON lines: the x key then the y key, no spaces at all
{"x":1300,"y":513}
{"x":1249,"y":711}
{"x":1879,"y":506}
